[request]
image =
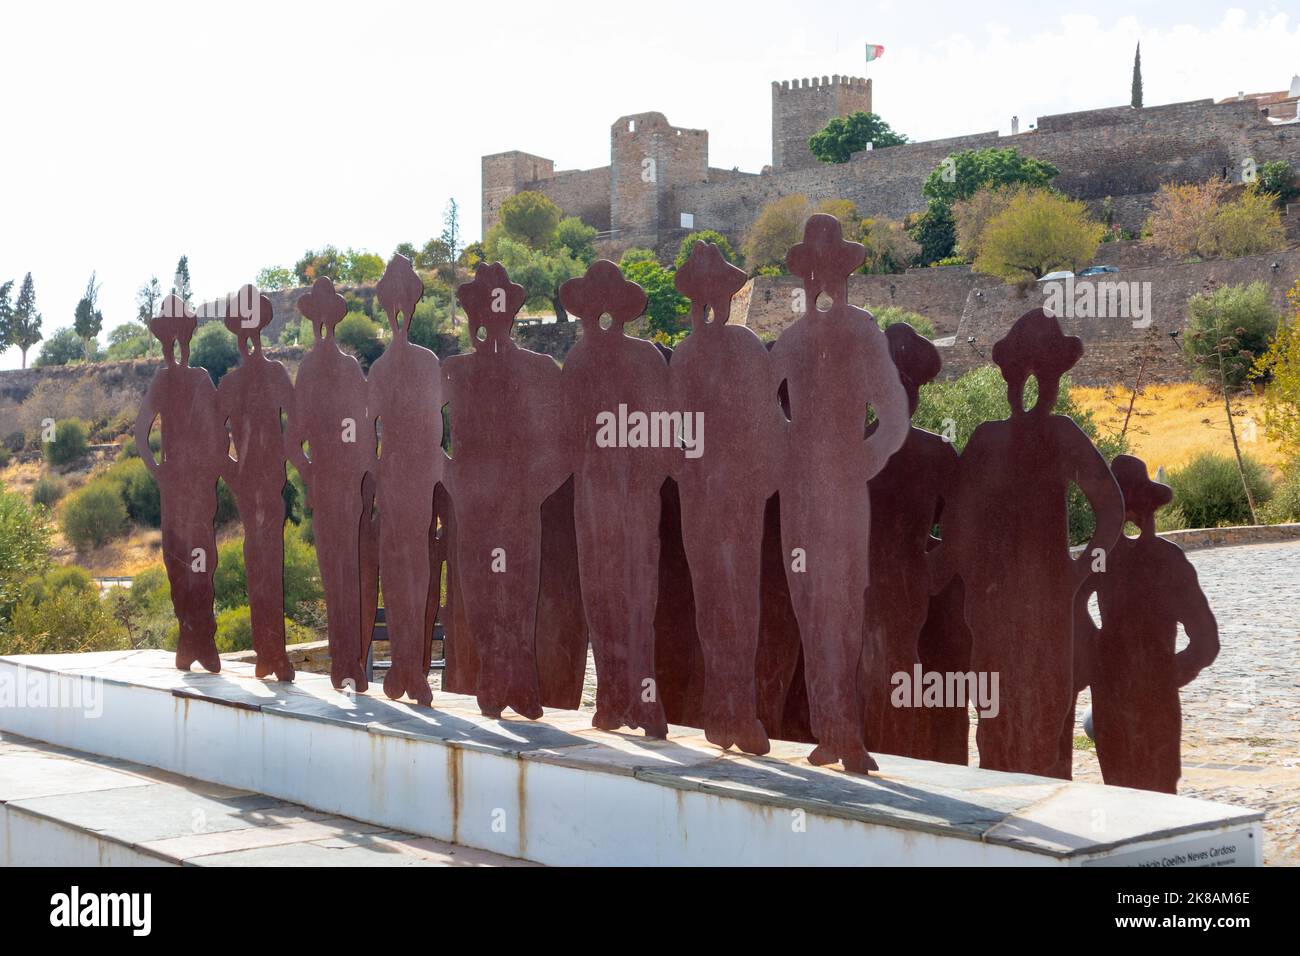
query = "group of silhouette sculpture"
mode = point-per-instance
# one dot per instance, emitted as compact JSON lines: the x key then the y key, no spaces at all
{"x":770,"y":582}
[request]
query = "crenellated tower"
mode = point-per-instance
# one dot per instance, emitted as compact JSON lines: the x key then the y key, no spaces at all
{"x":802,"y":107}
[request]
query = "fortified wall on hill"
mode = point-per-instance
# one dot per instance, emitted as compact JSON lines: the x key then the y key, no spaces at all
{"x":659,"y":184}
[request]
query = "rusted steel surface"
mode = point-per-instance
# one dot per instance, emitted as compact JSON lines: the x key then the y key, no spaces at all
{"x":744,"y":533}
{"x":1005,"y":534}
{"x":329,"y":415}
{"x":1148,"y":589}
{"x":192,"y":456}
{"x":502,"y":397}
{"x":907,"y":499}
{"x":835,"y":364}
{"x":251,"y":400}
{"x":608,"y":376}
{"x":404,"y":395}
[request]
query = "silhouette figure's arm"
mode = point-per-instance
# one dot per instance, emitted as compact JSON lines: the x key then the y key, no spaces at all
{"x":224,"y":404}
{"x":143,"y":426}
{"x":890,"y":403}
{"x":1201,"y":627}
{"x":294,"y":436}
{"x":1092,"y":475}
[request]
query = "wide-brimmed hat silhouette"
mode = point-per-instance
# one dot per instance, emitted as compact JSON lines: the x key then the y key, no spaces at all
{"x":1036,"y":346}
{"x":1142,"y":496}
{"x":491,"y":302}
{"x":247,"y":313}
{"x":915,"y":357}
{"x":174,"y":323}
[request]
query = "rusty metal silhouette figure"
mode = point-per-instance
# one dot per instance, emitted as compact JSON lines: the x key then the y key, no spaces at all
{"x":406,"y":404}
{"x":1148,"y":589}
{"x":943,"y":647}
{"x":250,"y":399}
{"x":1005,"y":533}
{"x":835,"y":364}
{"x":193,"y":447}
{"x":608,"y":378}
{"x":907,"y":498}
{"x":721,"y":377}
{"x":507,"y":458}
{"x":329,"y":414}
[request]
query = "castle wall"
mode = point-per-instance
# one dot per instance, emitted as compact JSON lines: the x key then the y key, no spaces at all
{"x":651,"y":158}
{"x":579,"y":192}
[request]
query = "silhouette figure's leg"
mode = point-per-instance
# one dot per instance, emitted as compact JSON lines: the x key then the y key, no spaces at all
{"x":367,"y":550}
{"x":404,"y":550}
{"x":727,"y":563}
{"x":334,"y":525}
{"x":190,"y":575}
{"x":264,"y":561}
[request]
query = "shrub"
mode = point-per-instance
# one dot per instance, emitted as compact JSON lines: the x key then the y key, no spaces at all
{"x":24,"y":547}
{"x":1278,"y":178}
{"x":68,"y":620}
{"x":139,"y":491}
{"x":1036,"y":233}
{"x":357,"y":334}
{"x":94,"y":515}
{"x":69,"y":443}
{"x":213,"y":348}
{"x":63,"y":577}
{"x":1244,"y":313}
{"x":301,"y":574}
{"x":891,"y":315}
{"x":704,"y":235}
{"x":1284,"y":506}
{"x":235,"y":630}
{"x":5,"y":455}
{"x":1208,"y":490}
{"x":47,"y":491}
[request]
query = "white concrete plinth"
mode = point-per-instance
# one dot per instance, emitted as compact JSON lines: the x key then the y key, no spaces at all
{"x":556,"y":791}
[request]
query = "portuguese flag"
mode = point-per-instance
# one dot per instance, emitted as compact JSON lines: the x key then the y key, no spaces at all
{"x":874,"y":51}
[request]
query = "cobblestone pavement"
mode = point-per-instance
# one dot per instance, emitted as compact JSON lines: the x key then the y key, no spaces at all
{"x":1241,"y":716}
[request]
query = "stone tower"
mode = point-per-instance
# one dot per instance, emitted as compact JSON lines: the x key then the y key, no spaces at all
{"x":649,"y":158}
{"x":802,"y":107}
{"x":505,"y":174}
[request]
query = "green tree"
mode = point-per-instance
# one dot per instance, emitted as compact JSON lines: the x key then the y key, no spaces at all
{"x":93,"y":515}
{"x":69,"y":442}
{"x":25,"y":322}
{"x":24,"y":548}
{"x":779,"y":226}
{"x":71,"y":620}
{"x":1278,"y":179}
{"x":434,"y":256}
{"x":665,"y":306}
{"x":6,"y":314}
{"x":889,"y":248}
{"x":1038,"y":232}
{"x":576,"y":238}
{"x":276,"y":279}
{"x":1226,"y":330}
{"x":213,"y":348}
{"x":360,"y":268}
{"x":87,"y":319}
{"x":147,"y":300}
{"x":1279,"y":365}
{"x":327,"y":263}
{"x":841,"y":137}
{"x":181,"y":281}
{"x":62,"y":348}
{"x":1135,"y":93}
{"x":129,"y":340}
{"x":405,"y":249}
{"x":360,"y":336}
{"x":705,"y":235}
{"x":540,"y":273}
{"x":531,"y":218}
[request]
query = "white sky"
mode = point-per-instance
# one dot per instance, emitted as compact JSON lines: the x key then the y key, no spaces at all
{"x":243,"y":133}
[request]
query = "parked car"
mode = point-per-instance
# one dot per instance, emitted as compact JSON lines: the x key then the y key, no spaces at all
{"x":1097,"y":270}
{"x":1056,"y":276}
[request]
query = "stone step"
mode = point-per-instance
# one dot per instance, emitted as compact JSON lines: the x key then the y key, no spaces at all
{"x":61,"y":807}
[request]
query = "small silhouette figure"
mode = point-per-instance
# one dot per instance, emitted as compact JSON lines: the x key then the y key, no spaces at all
{"x":608,"y":378}
{"x":406,"y":404}
{"x":907,"y":497}
{"x":329,"y":413}
{"x":250,"y":399}
{"x":193,"y":447}
{"x":1148,"y":589}
{"x":834,"y":363}
{"x":507,"y":458}
{"x":1005,"y":534}
{"x":723,"y":375}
